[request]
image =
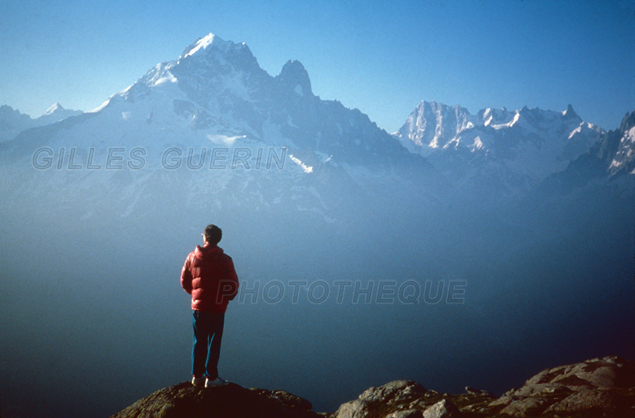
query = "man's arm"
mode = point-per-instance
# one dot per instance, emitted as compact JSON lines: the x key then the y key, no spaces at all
{"x":230,"y":282}
{"x":186,"y":276}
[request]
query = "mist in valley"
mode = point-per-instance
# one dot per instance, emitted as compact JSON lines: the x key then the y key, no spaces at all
{"x":94,"y":317}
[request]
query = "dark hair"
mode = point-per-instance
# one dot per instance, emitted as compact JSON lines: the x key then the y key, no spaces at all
{"x":213,"y":234}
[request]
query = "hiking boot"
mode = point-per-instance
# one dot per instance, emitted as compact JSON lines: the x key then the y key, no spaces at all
{"x":198,"y":380}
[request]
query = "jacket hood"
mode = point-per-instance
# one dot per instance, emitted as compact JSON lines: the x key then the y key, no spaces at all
{"x":208,"y":252}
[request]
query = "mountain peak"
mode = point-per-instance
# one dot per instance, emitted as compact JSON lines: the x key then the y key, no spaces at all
{"x":570,"y":113}
{"x":56,"y":113}
{"x":295,"y":76}
{"x":202,"y":44}
{"x":439,"y":108}
{"x":432,"y":105}
{"x":6,"y":110}
{"x":628,"y":122}
{"x":211,"y":53}
{"x":57,"y":107}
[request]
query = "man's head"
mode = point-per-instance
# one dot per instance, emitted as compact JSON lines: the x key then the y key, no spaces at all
{"x":212,"y":234}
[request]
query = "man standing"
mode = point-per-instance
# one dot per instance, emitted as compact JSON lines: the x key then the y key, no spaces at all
{"x":209,"y":276}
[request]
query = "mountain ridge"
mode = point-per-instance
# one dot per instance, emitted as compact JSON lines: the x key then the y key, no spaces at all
{"x":526,"y":144}
{"x":13,"y":122}
{"x":611,"y":157}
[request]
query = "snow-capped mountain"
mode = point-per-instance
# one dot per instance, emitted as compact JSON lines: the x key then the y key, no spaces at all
{"x":214,"y":107}
{"x":56,"y":113}
{"x":217,"y":89}
{"x":624,"y":160}
{"x":523,"y":146}
{"x":12,"y":122}
{"x":613,"y":156}
{"x":212,"y":121}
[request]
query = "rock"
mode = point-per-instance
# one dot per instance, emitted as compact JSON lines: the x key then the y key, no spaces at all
{"x":229,"y":401}
{"x":377,"y":402}
{"x":471,"y":390}
{"x":410,"y":413}
{"x":603,"y":387}
{"x":605,"y":372}
{"x":592,"y":388}
{"x":529,"y":406}
{"x":398,"y":390}
{"x":587,"y":400}
{"x":442,"y":409}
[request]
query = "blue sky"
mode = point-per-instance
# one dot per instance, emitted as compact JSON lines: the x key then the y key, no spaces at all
{"x":382,"y":57}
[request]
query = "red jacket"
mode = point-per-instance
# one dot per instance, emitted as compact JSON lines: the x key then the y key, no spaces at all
{"x":209,"y":276}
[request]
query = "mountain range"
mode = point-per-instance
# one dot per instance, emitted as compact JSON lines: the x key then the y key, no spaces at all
{"x":528,"y":212}
{"x":12,"y":122}
{"x":217,"y":90}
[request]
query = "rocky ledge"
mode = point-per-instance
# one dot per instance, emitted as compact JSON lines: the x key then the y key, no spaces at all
{"x":602,"y":387}
{"x":231,"y":400}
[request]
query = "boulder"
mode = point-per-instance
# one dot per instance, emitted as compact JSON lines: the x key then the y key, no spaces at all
{"x":442,"y":409}
{"x":598,"y":387}
{"x":410,"y":413}
{"x":228,"y":401}
{"x":378,"y":402}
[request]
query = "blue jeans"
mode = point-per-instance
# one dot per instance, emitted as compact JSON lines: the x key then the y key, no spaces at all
{"x":208,"y":333}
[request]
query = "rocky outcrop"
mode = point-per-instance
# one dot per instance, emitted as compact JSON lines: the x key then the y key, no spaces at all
{"x":383,"y":400}
{"x":594,"y":388}
{"x":187,"y":401}
{"x":602,"y":387}
{"x":407,"y":399}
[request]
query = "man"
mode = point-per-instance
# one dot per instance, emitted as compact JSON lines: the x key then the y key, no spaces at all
{"x":209,"y":276}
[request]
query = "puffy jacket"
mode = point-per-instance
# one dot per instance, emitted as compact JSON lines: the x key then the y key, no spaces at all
{"x":209,"y":276}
